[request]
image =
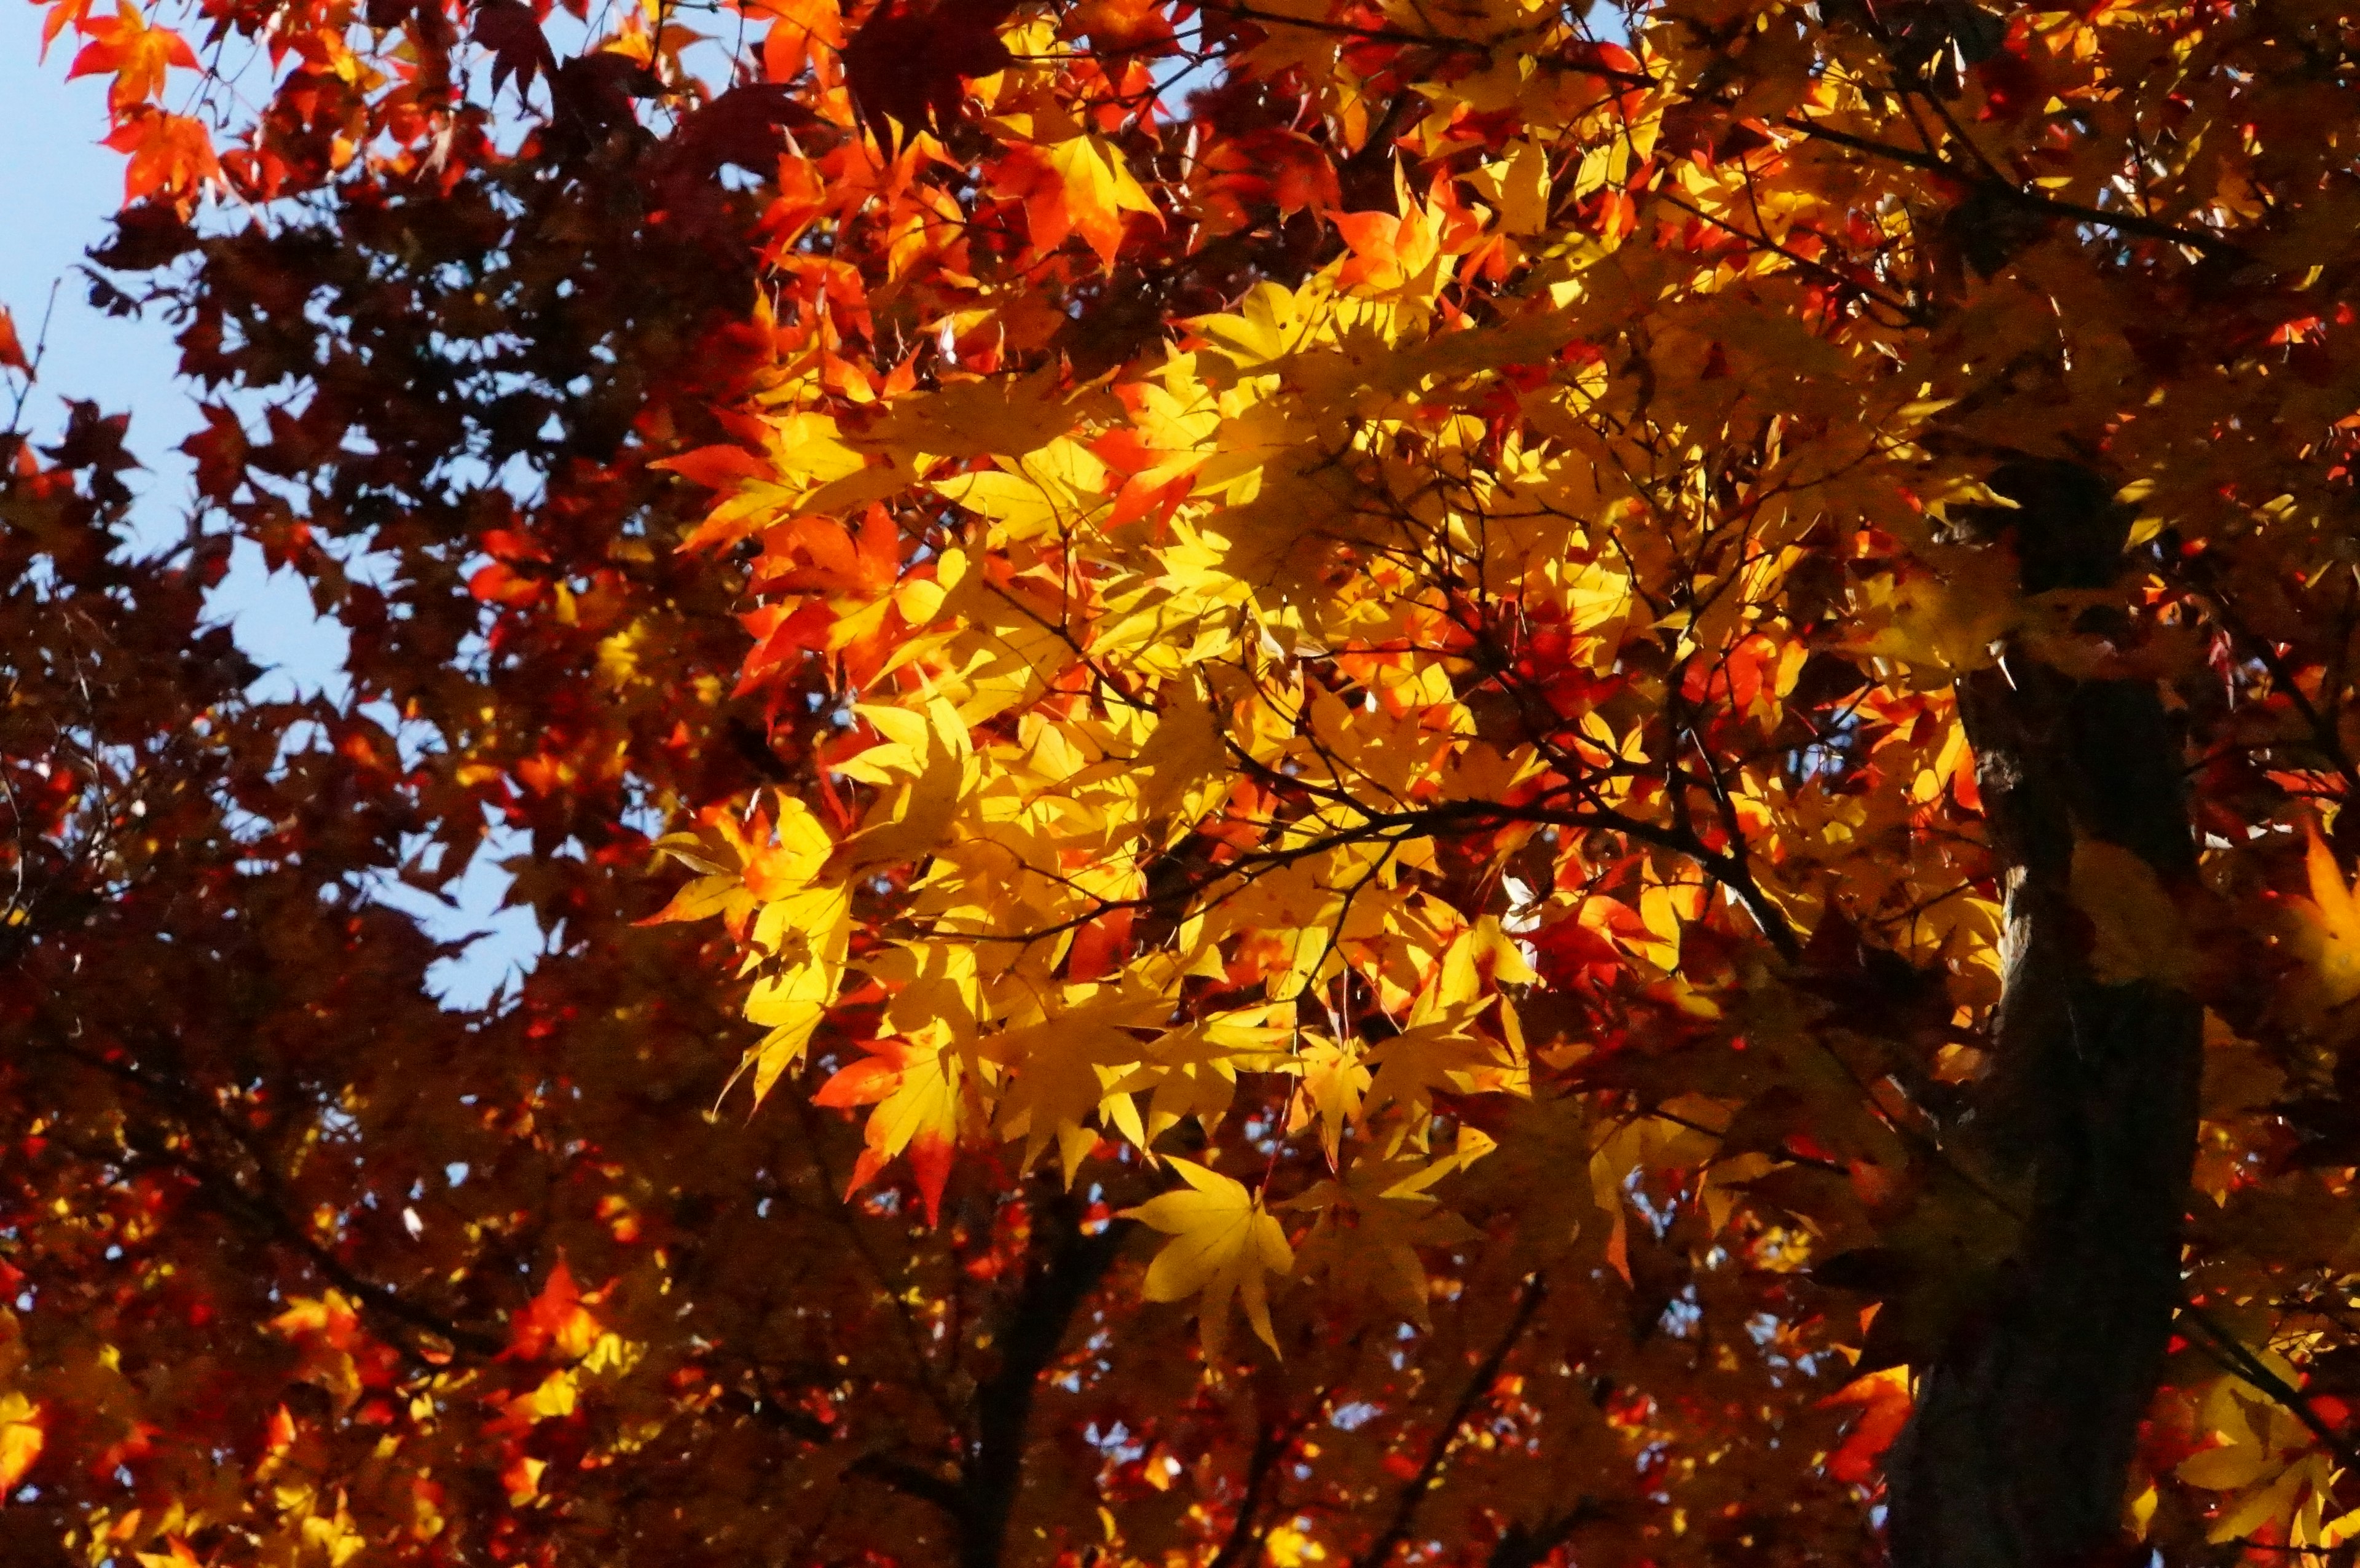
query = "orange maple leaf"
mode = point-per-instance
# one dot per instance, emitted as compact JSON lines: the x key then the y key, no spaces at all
{"x":2334,"y":925}
{"x":1884,"y":1399}
{"x":1390,"y":252}
{"x":1119,"y":26}
{"x":820,"y":554}
{"x":171,"y":156}
{"x":64,"y":14}
{"x":1077,"y":187}
{"x":918,"y":1090}
{"x":798,"y":25}
{"x":136,"y":53}
{"x":555,"y":1319}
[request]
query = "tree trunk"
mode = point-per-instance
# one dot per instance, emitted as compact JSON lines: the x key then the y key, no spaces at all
{"x":2024,"y":1426}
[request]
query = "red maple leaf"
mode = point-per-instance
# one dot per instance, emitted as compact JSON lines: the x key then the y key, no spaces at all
{"x":520,"y":48}
{"x":907,"y":64}
{"x":12,"y":350}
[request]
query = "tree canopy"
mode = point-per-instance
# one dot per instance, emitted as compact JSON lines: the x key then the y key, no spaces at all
{"x":1353,"y":782}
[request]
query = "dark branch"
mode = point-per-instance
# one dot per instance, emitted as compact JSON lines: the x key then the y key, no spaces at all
{"x":2016,"y":195}
{"x":1066,"y":1266}
{"x":1446,"y":1436}
{"x":1525,"y":1546}
{"x":1245,"y":1532}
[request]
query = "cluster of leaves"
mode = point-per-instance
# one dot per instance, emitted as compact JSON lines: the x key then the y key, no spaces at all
{"x":1483,"y":693}
{"x":1311,"y":644}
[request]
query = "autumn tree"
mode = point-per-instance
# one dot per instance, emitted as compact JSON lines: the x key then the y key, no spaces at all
{"x":1486,"y":784}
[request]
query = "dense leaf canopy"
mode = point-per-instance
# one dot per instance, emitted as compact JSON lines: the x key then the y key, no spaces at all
{"x":1317,"y":781}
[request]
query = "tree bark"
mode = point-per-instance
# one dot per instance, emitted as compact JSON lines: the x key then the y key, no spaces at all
{"x":2025,"y":1422}
{"x":1064,"y":1267}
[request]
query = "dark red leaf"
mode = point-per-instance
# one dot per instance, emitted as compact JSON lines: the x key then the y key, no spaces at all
{"x":520,"y":48}
{"x":907,"y":64}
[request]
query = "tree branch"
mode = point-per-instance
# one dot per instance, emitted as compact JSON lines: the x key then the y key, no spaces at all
{"x":1446,"y":1436}
{"x":2016,"y":195}
{"x":1068,"y":1265}
{"x":905,"y":1476}
{"x":1271,"y":1444}
{"x":265,"y":1214}
{"x":1526,"y":1547}
{"x":2234,"y":1357}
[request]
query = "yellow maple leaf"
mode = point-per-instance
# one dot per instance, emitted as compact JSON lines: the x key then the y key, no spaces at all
{"x":1192,"y":1071}
{"x":1435,"y":1055}
{"x":21,"y":1437}
{"x":2137,"y":930}
{"x":1223,"y":1242}
{"x":1335,"y":1081}
{"x":930,"y":751}
{"x":812,"y":931}
{"x":1184,"y":755}
{"x":1372,"y":1221}
{"x":1065,"y":1066}
{"x":1950,"y":618}
{"x":2333,"y":927}
{"x":1519,"y":186}
{"x":1005,"y":415}
{"x":742,"y":867}
{"x":1097,"y":187}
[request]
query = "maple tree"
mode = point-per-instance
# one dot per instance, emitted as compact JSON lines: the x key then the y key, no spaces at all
{"x":1478,"y":784}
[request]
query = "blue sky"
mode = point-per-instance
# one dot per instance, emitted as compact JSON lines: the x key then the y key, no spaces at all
{"x":58,"y":186}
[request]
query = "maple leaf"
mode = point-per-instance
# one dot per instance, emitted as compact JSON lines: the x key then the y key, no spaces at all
{"x":2332,"y":926}
{"x":221,"y":451}
{"x":555,"y":1320}
{"x":1186,"y":753}
{"x":1372,"y":1223}
{"x":22,"y":1436}
{"x":1192,"y":1071}
{"x":917,"y":1088}
{"x":172,"y":156}
{"x":2261,"y":1461}
{"x":1081,"y":186}
{"x":743,"y":868}
{"x":12,"y":348}
{"x":1335,"y":1081}
{"x":1009,"y":415}
{"x":63,"y":15}
{"x":930,"y":764}
{"x":1952,"y":619}
{"x":511,"y":30}
{"x":1119,"y":26}
{"x":1223,"y":1244}
{"x":136,"y":53}
{"x":741,"y":128}
{"x":797,"y":25}
{"x":805,"y":938}
{"x":907,"y":64}
{"x":1436,"y":1053}
{"x":1884,"y":1399}
{"x":1062,"y":1067}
